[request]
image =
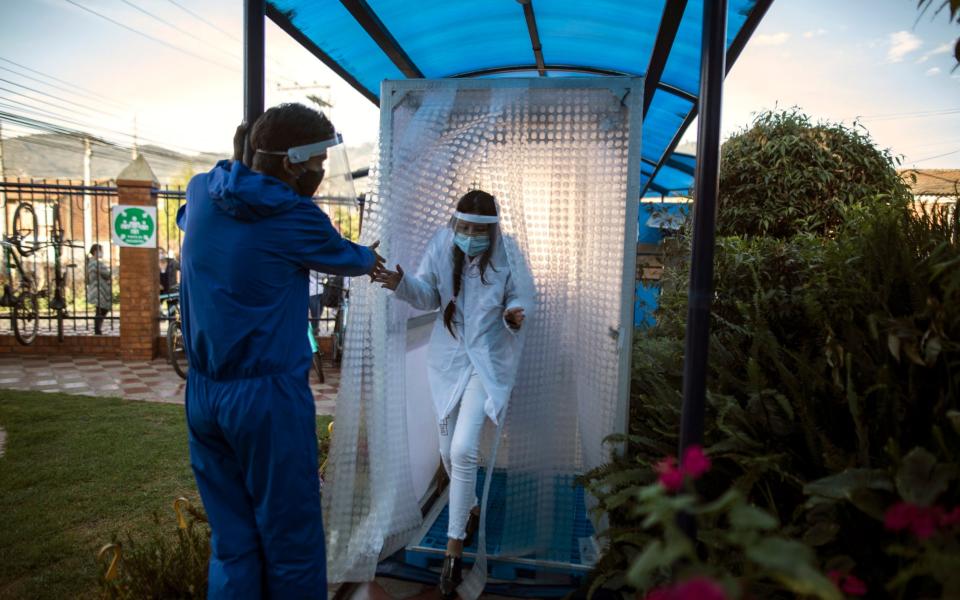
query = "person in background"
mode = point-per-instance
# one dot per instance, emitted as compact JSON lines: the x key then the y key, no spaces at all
{"x":316,"y":300}
{"x":99,"y":286}
{"x":169,"y":270}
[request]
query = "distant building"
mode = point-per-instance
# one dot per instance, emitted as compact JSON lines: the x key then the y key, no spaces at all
{"x":932,"y":187}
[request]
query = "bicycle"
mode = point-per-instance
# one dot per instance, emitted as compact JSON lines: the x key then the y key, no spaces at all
{"x":336,"y":295}
{"x":25,"y":303}
{"x":317,"y":355}
{"x":176,"y":351}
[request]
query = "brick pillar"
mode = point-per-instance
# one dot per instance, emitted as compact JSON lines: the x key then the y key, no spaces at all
{"x":139,"y":271}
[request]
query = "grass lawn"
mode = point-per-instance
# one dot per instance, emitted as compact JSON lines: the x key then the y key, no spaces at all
{"x":77,"y":472}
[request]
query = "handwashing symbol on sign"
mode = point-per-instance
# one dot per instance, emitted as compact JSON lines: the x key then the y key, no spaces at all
{"x":134,"y":226}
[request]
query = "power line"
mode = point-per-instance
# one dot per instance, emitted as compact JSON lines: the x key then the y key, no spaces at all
{"x":179,"y":29}
{"x":910,"y":115}
{"x":87,"y":95}
{"x":223,"y":31}
{"x":87,"y":125}
{"x":47,"y":75}
{"x":152,"y":38}
{"x":957,"y":151}
{"x":82,"y":106}
{"x":68,"y":131}
{"x":196,"y":16}
{"x":26,"y":87}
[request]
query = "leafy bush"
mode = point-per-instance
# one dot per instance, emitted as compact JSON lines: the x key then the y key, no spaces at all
{"x":786,"y":175}
{"x":834,"y":386}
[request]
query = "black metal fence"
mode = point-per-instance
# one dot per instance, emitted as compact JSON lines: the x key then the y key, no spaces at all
{"x":346,"y":218}
{"x":83,"y":214}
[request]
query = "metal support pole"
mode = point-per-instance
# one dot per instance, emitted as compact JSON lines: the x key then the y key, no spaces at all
{"x":254,"y":53}
{"x":712,"y":70}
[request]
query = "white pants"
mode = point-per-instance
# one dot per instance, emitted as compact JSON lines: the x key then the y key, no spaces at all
{"x":460,"y":451}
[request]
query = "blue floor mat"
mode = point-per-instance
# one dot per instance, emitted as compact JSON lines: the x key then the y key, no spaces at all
{"x":570,"y":526}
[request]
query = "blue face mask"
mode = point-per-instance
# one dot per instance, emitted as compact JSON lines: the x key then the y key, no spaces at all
{"x":472,"y":245}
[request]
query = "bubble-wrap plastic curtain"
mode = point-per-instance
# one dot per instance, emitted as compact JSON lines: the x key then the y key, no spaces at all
{"x":557,"y":154}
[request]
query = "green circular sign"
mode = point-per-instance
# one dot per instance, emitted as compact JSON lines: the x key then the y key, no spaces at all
{"x":134,"y":226}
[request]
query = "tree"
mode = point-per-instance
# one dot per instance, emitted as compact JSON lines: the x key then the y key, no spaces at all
{"x":954,"y":6}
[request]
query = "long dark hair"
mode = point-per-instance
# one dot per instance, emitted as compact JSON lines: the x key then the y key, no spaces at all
{"x":475,"y":202}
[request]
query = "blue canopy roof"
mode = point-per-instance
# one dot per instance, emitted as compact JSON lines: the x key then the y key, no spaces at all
{"x":367,"y":41}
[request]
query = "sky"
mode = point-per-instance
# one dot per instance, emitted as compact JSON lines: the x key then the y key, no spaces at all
{"x":837,"y":60}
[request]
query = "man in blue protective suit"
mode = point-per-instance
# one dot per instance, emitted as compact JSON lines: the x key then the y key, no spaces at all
{"x":251,"y":236}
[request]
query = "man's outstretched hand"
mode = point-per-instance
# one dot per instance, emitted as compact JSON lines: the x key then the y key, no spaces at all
{"x":378,"y":264}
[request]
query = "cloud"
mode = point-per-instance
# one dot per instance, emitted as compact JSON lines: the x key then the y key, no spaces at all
{"x":944,"y":49}
{"x":932,"y":72}
{"x":901,"y":44}
{"x":816,"y":33}
{"x":771,"y":39}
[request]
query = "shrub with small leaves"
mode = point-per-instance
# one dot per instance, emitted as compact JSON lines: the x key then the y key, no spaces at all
{"x":786,"y":175}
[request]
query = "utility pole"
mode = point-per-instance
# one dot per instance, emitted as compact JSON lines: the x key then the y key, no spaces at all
{"x":87,"y":202}
{"x":323,"y":100}
{"x":134,"y":152}
{"x":3,"y":191}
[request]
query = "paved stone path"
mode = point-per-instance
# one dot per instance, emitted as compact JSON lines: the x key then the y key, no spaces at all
{"x":153,"y":381}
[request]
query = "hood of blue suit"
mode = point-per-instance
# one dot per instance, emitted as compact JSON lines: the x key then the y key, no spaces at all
{"x":247,"y":195}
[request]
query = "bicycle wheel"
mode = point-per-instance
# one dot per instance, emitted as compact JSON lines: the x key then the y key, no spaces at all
{"x":26,"y":318}
{"x":25,"y":225}
{"x":176,"y":353}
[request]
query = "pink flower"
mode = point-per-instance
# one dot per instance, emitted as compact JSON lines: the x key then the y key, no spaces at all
{"x":699,"y":588}
{"x":921,"y":521}
{"x":900,"y":516}
{"x":670,"y":476}
{"x":661,"y":593}
{"x":695,"y":462}
{"x":854,"y":586}
{"x":951,"y":518}
{"x":925,"y":523}
{"x":848,"y":584}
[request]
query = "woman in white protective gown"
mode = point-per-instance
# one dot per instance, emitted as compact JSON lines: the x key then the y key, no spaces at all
{"x":482,"y":284}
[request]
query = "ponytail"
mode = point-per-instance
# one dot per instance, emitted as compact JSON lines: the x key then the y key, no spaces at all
{"x":451,"y":309}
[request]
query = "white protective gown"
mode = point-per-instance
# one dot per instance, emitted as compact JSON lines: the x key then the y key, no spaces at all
{"x":484,"y":341}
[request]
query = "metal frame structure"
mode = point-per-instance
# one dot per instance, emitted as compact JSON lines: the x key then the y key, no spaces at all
{"x":716,"y":61}
{"x":666,"y":34}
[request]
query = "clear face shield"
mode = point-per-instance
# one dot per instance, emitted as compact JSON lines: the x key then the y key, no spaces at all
{"x":337,"y":184}
{"x":471,"y":233}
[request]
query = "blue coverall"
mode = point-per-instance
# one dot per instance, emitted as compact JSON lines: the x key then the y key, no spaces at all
{"x":249,"y":243}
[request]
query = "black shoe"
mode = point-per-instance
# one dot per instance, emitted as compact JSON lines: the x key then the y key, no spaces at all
{"x":451,"y":576}
{"x":473,"y":525}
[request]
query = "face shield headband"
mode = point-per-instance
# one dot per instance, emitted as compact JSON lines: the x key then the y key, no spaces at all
{"x":301,"y":154}
{"x":476,"y":219}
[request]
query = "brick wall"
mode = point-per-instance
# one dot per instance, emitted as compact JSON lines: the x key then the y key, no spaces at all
{"x":139,"y":282}
{"x":102,"y":346}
